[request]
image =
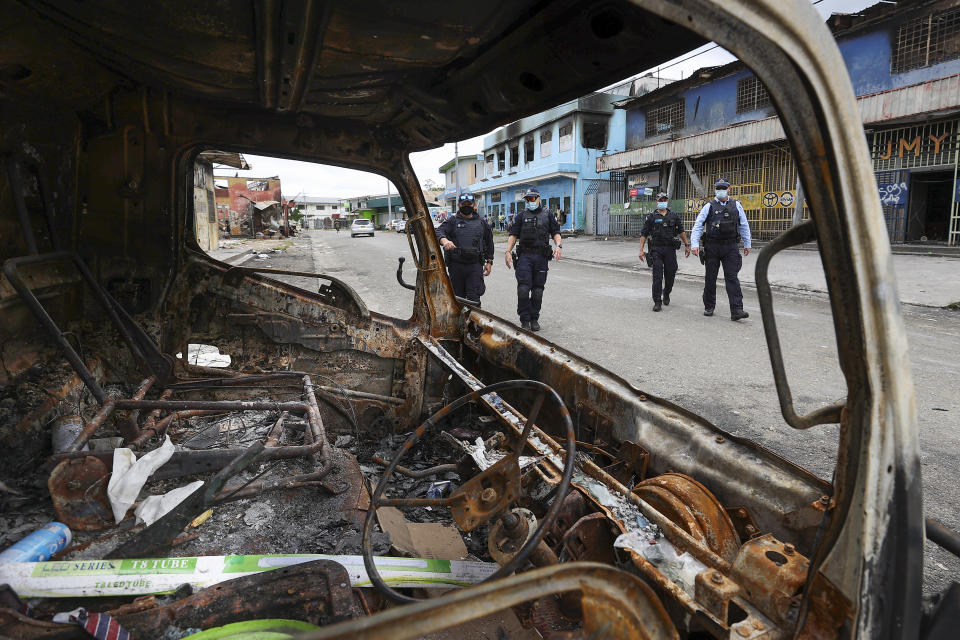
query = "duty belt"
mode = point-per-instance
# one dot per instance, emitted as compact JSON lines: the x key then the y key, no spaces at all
{"x":464,"y":255}
{"x":543,"y":251}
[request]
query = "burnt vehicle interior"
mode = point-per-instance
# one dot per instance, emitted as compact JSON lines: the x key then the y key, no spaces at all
{"x":583,"y":506}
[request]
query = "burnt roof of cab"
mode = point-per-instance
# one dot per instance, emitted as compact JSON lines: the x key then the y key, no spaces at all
{"x":428,"y":72}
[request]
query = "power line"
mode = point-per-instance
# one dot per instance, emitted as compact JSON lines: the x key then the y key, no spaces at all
{"x":690,"y":57}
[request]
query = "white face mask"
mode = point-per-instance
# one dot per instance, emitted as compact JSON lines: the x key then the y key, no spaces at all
{"x":721,"y":193}
{"x":532,"y":206}
{"x":662,"y":205}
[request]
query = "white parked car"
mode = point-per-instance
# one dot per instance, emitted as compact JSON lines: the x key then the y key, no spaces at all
{"x":400,"y":225}
{"x":361,"y":227}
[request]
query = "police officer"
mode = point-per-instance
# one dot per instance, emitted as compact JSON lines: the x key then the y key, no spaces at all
{"x":662,"y":227}
{"x":467,"y":241}
{"x":720,"y":224}
{"x":531,"y":232}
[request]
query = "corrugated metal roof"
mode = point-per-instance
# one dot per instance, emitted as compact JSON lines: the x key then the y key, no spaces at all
{"x":926,"y":98}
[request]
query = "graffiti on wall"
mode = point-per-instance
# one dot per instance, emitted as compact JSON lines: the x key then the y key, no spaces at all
{"x":893,"y":193}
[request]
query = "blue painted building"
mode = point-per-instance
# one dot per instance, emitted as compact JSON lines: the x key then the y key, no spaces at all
{"x":904,"y":63}
{"x":556,"y":151}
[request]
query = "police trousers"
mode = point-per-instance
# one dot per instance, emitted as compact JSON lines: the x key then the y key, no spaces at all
{"x":531,"y":270}
{"x":728,"y":255}
{"x":467,"y":280}
{"x":664,"y":269}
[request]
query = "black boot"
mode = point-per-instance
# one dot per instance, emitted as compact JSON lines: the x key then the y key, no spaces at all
{"x":525,"y":325}
{"x":666,"y":298}
{"x":708,"y":312}
{"x":738,"y":314}
{"x":656,"y":305}
{"x":534,"y":325}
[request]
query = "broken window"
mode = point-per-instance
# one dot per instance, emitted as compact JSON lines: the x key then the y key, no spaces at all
{"x":489,"y":165}
{"x":528,"y":149}
{"x":514,"y":155}
{"x":926,"y":41}
{"x":545,"y":142}
{"x":665,"y":118}
{"x":257,"y":231}
{"x":501,"y":160}
{"x":566,"y":137}
{"x":594,"y":133}
{"x":751,"y":94}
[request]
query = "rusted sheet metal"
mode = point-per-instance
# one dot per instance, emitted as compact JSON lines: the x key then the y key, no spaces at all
{"x":771,"y":573}
{"x":615,"y":605}
{"x":926,"y":97}
{"x":690,"y":505}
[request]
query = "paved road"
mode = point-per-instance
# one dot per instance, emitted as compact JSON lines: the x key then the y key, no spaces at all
{"x":712,"y":366}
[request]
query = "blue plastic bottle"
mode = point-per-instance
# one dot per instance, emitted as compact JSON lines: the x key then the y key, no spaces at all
{"x":39,"y":545}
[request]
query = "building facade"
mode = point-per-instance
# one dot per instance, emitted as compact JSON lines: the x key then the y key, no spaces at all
{"x":555,"y":151}
{"x":319,"y":212}
{"x":904,"y":63}
{"x":379,"y":209}
{"x":249,"y":205}
{"x":468,"y":170}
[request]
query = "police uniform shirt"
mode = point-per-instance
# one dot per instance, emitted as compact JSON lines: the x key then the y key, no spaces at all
{"x":743,"y":228}
{"x":657,"y":216}
{"x":553,"y":227}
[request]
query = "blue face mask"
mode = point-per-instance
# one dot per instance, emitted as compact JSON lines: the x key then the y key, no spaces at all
{"x":721,"y":193}
{"x":532,"y":206}
{"x":662,"y":205}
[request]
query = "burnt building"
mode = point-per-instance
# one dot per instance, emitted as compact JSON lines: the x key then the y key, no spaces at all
{"x":904,"y":64}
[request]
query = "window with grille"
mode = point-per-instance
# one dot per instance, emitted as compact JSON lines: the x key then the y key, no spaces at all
{"x":501,"y":160}
{"x":489,"y":169}
{"x":927,"y":41}
{"x":751,"y":95}
{"x":665,"y":118}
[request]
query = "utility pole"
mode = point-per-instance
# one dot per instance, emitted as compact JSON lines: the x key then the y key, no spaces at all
{"x":456,"y":174}
{"x":389,"y":204}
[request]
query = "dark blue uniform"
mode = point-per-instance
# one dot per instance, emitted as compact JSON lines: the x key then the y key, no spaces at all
{"x":474,"y":241}
{"x":721,"y":237}
{"x":660,"y":228}
{"x":533,"y":230}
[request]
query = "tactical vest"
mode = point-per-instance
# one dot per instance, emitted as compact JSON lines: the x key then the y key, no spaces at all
{"x":663,"y":227}
{"x":534,"y":230}
{"x":722,"y":221}
{"x":468,"y":236}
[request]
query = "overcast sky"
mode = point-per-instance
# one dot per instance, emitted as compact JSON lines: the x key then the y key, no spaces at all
{"x":320,"y":180}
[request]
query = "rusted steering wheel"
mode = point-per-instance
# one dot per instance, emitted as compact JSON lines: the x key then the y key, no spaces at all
{"x":483,"y":496}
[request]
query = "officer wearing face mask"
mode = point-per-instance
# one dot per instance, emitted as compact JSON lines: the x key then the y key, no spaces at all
{"x":662,"y":228}
{"x":531,"y":232}
{"x":467,"y":241}
{"x":720,"y":225}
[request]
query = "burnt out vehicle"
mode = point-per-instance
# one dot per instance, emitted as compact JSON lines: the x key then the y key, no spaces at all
{"x":105,"y":108}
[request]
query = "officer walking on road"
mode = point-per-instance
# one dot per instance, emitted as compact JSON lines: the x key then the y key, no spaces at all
{"x":662,"y":227}
{"x":467,"y":241}
{"x":532,"y":228}
{"x":720,"y":224}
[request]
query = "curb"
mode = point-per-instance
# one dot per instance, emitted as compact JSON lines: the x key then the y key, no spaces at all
{"x":783,"y":288}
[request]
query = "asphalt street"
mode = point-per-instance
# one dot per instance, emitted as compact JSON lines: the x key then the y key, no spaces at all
{"x":712,"y":366}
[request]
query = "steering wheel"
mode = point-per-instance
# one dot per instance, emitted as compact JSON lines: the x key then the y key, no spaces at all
{"x":485,"y":495}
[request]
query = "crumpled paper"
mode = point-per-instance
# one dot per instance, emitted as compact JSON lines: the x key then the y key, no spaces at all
{"x":155,"y":507}
{"x":129,"y":475}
